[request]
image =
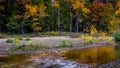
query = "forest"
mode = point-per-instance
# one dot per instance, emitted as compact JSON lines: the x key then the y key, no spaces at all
{"x":59,"y":33}
{"x":32,"y":16}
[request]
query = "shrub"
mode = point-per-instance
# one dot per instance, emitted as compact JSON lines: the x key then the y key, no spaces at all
{"x":15,"y":48}
{"x":116,"y":36}
{"x":103,"y":34}
{"x":65,"y":43}
{"x":24,"y":47}
{"x":36,"y":47}
{"x":47,"y":33}
{"x":27,"y":39}
{"x":53,"y":33}
{"x":93,"y":31}
{"x":16,"y":40}
{"x":9,"y":40}
{"x":64,"y":33}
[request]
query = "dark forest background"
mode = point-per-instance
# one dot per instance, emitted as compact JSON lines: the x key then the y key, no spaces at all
{"x":28,"y":16}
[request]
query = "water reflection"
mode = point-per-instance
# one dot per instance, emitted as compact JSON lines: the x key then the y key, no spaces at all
{"x":95,"y":55}
{"x":23,"y":61}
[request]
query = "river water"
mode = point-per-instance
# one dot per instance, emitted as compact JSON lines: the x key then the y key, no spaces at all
{"x":75,"y":58}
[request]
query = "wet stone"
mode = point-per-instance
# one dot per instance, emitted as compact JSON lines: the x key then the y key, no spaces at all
{"x":60,"y":63}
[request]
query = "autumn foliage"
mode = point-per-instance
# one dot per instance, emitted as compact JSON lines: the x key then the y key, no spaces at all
{"x":60,"y":15}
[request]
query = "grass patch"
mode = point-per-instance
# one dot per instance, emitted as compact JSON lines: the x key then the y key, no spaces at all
{"x":24,"y":47}
{"x":65,"y":43}
{"x":27,"y":39}
{"x":9,"y":40}
{"x":20,"y":38}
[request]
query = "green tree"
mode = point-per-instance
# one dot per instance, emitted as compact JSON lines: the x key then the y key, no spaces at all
{"x":56,"y":4}
{"x":12,"y":25}
{"x":106,"y":19}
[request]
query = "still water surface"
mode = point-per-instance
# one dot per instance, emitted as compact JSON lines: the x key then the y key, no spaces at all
{"x":94,"y":55}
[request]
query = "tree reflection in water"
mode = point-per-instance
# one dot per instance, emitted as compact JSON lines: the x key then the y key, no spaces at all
{"x":95,"y":55}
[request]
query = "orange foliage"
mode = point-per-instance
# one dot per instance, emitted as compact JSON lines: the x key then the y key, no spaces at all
{"x":118,"y":4}
{"x":118,"y":10}
{"x":96,"y":10}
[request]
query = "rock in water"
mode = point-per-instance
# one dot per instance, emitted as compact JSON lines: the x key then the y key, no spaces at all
{"x":60,"y":63}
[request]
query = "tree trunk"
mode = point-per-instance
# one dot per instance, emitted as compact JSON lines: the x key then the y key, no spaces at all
{"x":77,"y":24}
{"x":58,"y":21}
{"x":22,"y":30}
{"x":70,"y":9}
{"x":70,"y":24}
{"x":22,"y":26}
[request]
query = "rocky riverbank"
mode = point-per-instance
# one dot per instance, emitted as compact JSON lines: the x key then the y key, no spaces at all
{"x":52,"y":62}
{"x":112,"y":64}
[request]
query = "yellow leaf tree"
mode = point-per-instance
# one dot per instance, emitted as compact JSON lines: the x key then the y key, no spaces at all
{"x":80,"y":10}
{"x":115,"y":22}
{"x":41,"y":10}
{"x":37,"y":12}
{"x":31,"y":10}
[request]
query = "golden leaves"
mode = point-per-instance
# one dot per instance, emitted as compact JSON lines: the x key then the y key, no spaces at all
{"x":118,"y":4}
{"x":31,"y":10}
{"x":118,"y":10}
{"x":114,"y":24}
{"x":41,"y":10}
{"x":85,"y":10}
{"x":80,"y":4}
{"x":77,"y":4}
{"x":36,"y":26}
{"x":35,"y":10}
{"x":93,"y":30}
{"x":35,"y":19}
{"x":115,"y":21}
{"x":56,"y":4}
